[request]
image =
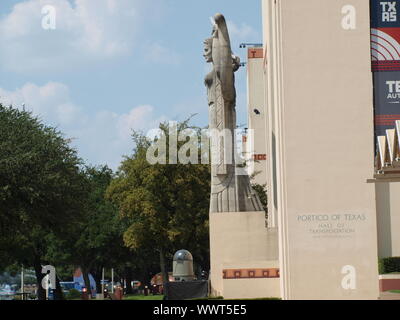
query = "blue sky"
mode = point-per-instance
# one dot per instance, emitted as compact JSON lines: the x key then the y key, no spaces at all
{"x":113,"y":65}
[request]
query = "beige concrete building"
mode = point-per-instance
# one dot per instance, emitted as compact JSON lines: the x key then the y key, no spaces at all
{"x":318,"y":93}
{"x":256,"y":149}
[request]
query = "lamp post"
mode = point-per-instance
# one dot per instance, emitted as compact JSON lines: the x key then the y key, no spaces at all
{"x":102,"y":281}
{"x":22,"y":283}
{"x":112,"y":280}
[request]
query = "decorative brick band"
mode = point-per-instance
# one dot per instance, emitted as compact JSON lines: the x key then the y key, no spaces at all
{"x":255,"y":53}
{"x":250,"y":273}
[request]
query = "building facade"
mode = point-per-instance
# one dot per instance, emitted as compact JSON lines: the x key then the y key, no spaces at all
{"x":255,"y":138}
{"x":318,"y":93}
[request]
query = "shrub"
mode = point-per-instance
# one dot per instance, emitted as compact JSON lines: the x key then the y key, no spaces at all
{"x":73,"y":294}
{"x":389,"y":265}
{"x":32,"y":296}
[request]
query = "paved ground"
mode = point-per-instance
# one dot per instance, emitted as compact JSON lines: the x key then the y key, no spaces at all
{"x":389,"y":296}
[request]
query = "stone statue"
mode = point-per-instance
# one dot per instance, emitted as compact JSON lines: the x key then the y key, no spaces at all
{"x":229,"y":192}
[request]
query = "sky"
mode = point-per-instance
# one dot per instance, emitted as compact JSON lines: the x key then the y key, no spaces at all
{"x":111,"y":66}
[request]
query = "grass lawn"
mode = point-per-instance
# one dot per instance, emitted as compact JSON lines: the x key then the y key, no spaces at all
{"x":141,"y":297}
{"x":394,"y":291}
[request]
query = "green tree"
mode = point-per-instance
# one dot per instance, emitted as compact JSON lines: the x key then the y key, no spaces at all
{"x":261,"y":190}
{"x":167,"y":206}
{"x":42,"y":189}
{"x":98,"y":235}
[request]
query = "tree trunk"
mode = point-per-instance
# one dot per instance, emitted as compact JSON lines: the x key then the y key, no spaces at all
{"x":164,"y":273}
{"x":143,"y":277}
{"x":85,"y":274}
{"x":58,"y":293}
{"x":41,"y":293}
{"x":128,"y":279}
{"x":97,"y":274}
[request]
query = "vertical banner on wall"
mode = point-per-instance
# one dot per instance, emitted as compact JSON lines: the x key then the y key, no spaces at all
{"x":385,"y":55}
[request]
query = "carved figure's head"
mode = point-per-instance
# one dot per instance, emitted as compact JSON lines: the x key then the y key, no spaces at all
{"x":208,"y":49}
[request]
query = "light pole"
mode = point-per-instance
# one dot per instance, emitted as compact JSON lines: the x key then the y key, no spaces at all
{"x":112,"y":280}
{"x":22,"y":283}
{"x":102,"y":282}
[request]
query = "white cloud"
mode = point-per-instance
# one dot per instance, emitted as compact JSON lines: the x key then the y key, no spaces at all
{"x":137,"y":118}
{"x":102,"y":138}
{"x":242,"y":33}
{"x":51,"y":101}
{"x":158,"y":53}
{"x":86,"y":30}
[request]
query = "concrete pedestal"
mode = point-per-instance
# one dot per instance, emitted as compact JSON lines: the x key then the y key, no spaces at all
{"x":244,"y":256}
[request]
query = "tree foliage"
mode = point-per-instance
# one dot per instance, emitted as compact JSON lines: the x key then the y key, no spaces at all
{"x":167,"y":205}
{"x":55,"y":210}
{"x":40,"y":179}
{"x":42,"y":188}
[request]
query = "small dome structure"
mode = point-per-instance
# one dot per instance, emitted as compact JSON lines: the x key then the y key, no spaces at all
{"x":183,"y":255}
{"x":183,"y":266}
